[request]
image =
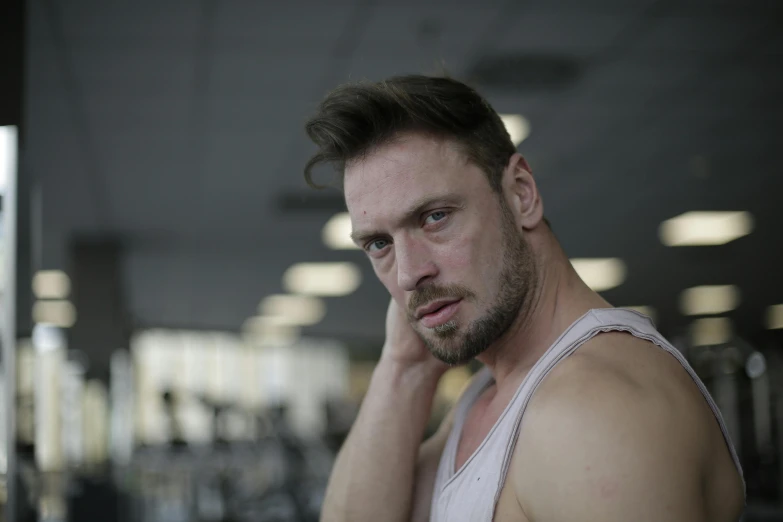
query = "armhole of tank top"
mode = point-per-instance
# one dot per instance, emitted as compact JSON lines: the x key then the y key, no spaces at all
{"x":481,"y":380}
{"x":642,"y":327}
{"x":674,"y":352}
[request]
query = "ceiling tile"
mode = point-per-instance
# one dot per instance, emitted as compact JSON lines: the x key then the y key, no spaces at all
{"x":552,"y":30}
{"x":696,"y":33}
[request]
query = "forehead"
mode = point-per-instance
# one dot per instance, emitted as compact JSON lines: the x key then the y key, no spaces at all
{"x":405,"y":170}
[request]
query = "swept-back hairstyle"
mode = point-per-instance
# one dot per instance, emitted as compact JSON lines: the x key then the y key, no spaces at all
{"x":356,"y":118}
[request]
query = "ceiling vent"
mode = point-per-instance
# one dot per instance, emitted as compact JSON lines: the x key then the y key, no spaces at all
{"x":524,"y":72}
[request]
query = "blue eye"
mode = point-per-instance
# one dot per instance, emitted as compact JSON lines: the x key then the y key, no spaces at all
{"x":436,"y":216}
{"x":377,"y":244}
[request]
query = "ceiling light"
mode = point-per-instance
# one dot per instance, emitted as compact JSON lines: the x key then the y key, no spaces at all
{"x":775,"y":317}
{"x":711,"y":331}
{"x":600,"y":273}
{"x":51,"y":284}
{"x":336,"y":234}
{"x":322,"y":279}
{"x":705,"y":228}
{"x":517,"y":126}
{"x":646,"y":310}
{"x":709,"y":300}
{"x":55,"y":313}
{"x":269,"y":330}
{"x":293,"y":309}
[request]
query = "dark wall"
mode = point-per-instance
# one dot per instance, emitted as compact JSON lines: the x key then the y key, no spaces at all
{"x":101,"y":319}
{"x":11,"y":60}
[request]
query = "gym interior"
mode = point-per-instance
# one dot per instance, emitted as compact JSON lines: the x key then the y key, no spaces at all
{"x":187,"y":328}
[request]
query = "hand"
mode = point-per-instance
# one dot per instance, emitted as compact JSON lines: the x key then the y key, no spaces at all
{"x":403,"y":344}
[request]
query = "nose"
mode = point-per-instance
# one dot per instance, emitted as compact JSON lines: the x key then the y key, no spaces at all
{"x":414,"y":263}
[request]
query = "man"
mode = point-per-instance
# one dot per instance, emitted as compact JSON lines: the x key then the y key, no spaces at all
{"x":582,"y":412}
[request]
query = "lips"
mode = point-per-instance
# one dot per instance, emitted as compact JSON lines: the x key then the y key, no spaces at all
{"x":433,"y":307}
{"x":438,"y":313}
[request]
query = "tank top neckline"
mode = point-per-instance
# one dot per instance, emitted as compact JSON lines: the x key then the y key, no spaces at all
{"x":484,"y":380}
{"x":472,"y":492}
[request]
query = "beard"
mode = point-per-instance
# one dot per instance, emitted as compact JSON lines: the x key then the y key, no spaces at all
{"x":457,"y":346}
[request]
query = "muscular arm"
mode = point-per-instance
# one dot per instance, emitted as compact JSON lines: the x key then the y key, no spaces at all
{"x":600,"y":447}
{"x":382,"y":471}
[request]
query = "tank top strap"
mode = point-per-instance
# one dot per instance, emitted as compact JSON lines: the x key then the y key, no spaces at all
{"x":480,"y":381}
{"x":642,"y":327}
{"x":594,"y":322}
{"x":573,"y":337}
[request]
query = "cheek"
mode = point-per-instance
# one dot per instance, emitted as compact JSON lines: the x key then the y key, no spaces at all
{"x":474,"y":261}
{"x":455,"y":257}
{"x":384,"y":271}
{"x":468,"y":255}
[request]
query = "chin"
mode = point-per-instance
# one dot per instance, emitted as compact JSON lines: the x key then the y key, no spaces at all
{"x":452,"y":358}
{"x":454,"y":351}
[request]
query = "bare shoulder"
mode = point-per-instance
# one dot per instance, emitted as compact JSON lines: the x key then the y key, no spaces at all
{"x":618,"y":426}
{"x":614,"y":369}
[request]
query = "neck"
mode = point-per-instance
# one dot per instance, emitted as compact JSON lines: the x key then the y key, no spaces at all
{"x":558,"y":298}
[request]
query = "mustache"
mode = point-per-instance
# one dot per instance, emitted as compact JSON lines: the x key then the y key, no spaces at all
{"x":427,"y":294}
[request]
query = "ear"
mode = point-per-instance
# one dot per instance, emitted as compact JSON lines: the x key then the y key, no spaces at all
{"x":522,"y":193}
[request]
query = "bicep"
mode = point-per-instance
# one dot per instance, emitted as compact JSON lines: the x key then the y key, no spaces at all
{"x":614,"y":460}
{"x":427,"y":469}
{"x":617,"y":494}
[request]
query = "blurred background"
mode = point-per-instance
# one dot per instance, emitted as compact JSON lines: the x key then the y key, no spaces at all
{"x":186,"y":332}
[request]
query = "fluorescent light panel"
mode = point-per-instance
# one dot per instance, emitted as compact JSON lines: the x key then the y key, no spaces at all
{"x":269,"y":330}
{"x":646,"y":310}
{"x":709,"y":299}
{"x":293,"y":309}
{"x":322,"y":279}
{"x":705,"y":228}
{"x":600,"y":273}
{"x":51,"y":284}
{"x":775,"y":317}
{"x":56,"y":313}
{"x":518,"y":127}
{"x":710,"y":331}
{"x":336,"y":234}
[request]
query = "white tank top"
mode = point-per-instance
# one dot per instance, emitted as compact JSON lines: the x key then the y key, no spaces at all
{"x":471,"y":493}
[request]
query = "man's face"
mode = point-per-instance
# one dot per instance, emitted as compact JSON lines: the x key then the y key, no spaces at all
{"x":444,"y":244}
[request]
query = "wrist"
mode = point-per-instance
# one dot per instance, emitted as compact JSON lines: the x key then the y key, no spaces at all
{"x":426,"y":370}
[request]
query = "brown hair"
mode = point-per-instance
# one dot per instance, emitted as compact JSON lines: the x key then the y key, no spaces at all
{"x":356,"y":118}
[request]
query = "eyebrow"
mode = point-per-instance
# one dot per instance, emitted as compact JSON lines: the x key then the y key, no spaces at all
{"x":413,"y":212}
